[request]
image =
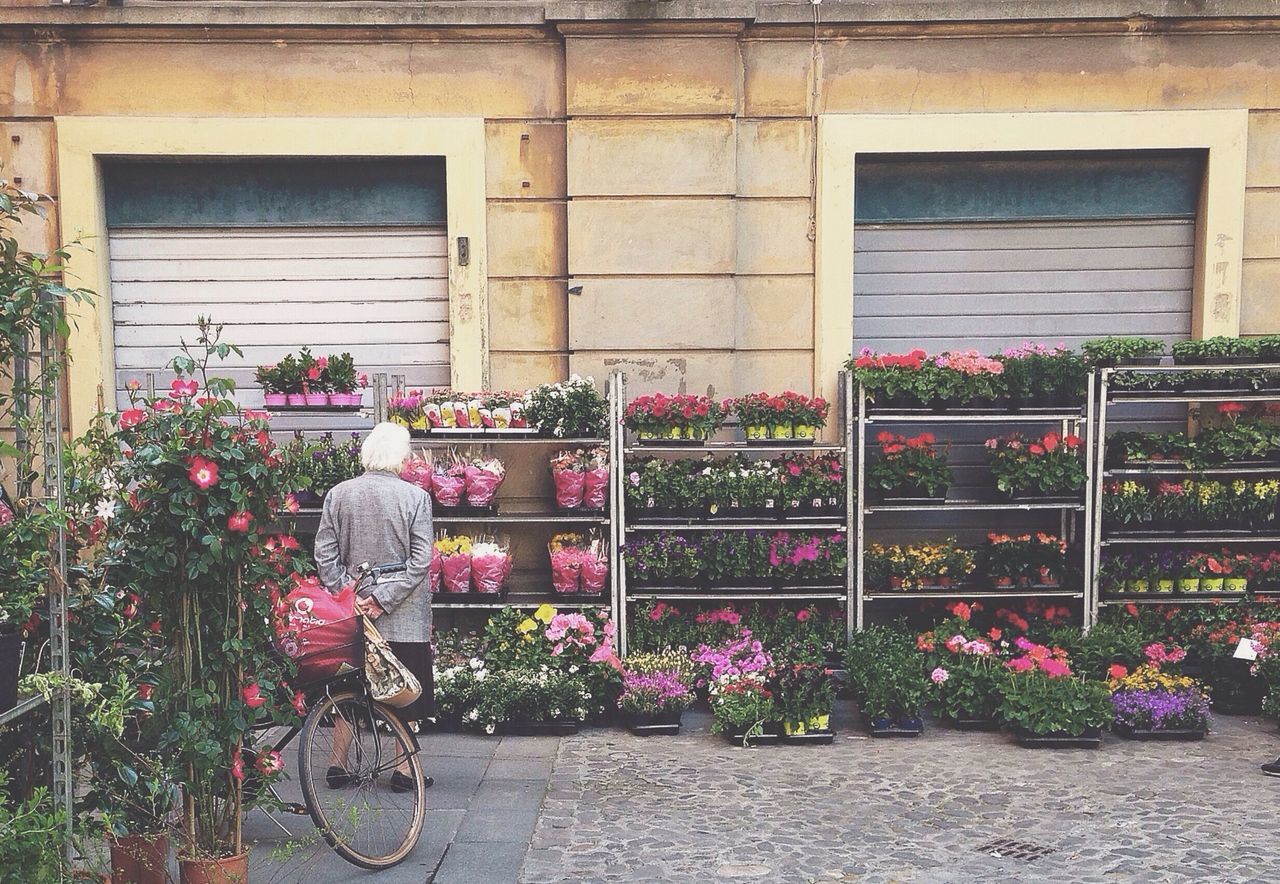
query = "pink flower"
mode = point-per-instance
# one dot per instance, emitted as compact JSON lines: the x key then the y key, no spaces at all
{"x":269,"y":762}
{"x":1117,"y":671}
{"x":131,"y":417}
{"x":1022,"y":643}
{"x":939,"y":675}
{"x":6,"y":514}
{"x":1021,"y":664}
{"x":802,"y":615}
{"x":1055,"y":668}
{"x":237,"y":766}
{"x":204,"y":473}
{"x":300,"y":702}
{"x":181,"y":389}
{"x":252,"y":696}
{"x":239,"y":522}
{"x":290,"y":503}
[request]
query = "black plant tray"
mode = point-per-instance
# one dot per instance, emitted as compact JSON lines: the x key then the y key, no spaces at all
{"x":1171,"y":735}
{"x":539,"y":728}
{"x":465,"y":509}
{"x":654,"y":730}
{"x":810,"y":738}
{"x":894,"y":500}
{"x":974,"y":724}
{"x":471,"y":596}
{"x":1031,"y":497}
{"x":790,"y":443}
{"x":895,"y":730}
{"x":1091,"y":739}
{"x":671,"y":443}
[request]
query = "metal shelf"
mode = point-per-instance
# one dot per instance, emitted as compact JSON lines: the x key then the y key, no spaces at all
{"x":24,"y":707}
{"x":743,"y":596}
{"x":732,"y":448}
{"x":1228,"y":539}
{"x":963,"y":505}
{"x":523,"y":518}
{"x":1157,"y":598}
{"x":778,"y":524}
{"x":1191,"y":471}
{"x":962,"y":417}
{"x":985,"y":594}
{"x":602,"y":602}
{"x":1175,"y":398}
{"x":1173,"y":368}
{"x":496,"y":439}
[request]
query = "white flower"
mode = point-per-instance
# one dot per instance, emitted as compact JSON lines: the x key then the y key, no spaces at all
{"x":488,"y":728}
{"x":481,"y":675}
{"x":573,"y":668}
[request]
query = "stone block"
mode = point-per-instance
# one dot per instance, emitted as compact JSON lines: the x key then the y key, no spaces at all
{"x":1259,"y":307}
{"x":527,"y":314}
{"x":625,"y":76}
{"x":774,"y":313}
{"x":706,"y":372}
{"x":773,"y":236}
{"x":1262,"y":224}
{"x":519,"y":371}
{"x":773,"y":371}
{"x":661,"y":236}
{"x":477,"y":862}
{"x":775,"y":78}
{"x":524,"y":159}
{"x":651,"y":157}
{"x":774,"y":157}
{"x":526,"y":238}
{"x":644,"y":313}
{"x":1263,"y":164}
{"x":31,"y":158}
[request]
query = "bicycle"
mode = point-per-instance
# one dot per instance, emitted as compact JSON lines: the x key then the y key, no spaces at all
{"x":368,"y":820}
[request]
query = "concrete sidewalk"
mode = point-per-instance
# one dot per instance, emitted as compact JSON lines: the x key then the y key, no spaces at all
{"x":480,"y":819}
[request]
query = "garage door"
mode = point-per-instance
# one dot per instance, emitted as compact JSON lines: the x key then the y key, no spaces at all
{"x":336,"y":256}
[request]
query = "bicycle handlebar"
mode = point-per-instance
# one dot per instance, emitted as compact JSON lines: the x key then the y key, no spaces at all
{"x":367,"y":574}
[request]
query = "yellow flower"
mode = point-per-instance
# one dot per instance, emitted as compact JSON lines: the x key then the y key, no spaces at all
{"x":528,"y":624}
{"x":544,"y":613}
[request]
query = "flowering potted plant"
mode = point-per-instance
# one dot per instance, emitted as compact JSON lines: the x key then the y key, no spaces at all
{"x":1039,"y":375}
{"x":455,"y":562}
{"x":893,"y":380}
{"x":490,"y":565}
{"x":744,"y":711}
{"x":1005,"y":559}
{"x":662,"y":558}
{"x":407,"y":411}
{"x":669,"y":418}
{"x":567,"y":409}
{"x":909,"y":468}
{"x":341,"y":379}
{"x":275,"y":385}
{"x":196,"y":456}
{"x":1047,"y":706}
{"x":656,"y":689}
{"x":1126,"y":506}
{"x":662,"y":488}
{"x":581,"y":478}
{"x":1049,"y":467}
{"x":315,"y":384}
{"x":752,"y":413}
{"x":886,"y":673}
{"x":805,"y":693}
{"x":966,"y":681}
{"x":1152,"y":704}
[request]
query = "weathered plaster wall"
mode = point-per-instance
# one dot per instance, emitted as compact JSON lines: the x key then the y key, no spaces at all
{"x":667,"y":174}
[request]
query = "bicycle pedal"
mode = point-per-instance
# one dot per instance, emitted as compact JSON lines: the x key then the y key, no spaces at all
{"x":296,"y":809}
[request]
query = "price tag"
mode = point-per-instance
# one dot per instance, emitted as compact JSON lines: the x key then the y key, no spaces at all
{"x":1245,"y":650}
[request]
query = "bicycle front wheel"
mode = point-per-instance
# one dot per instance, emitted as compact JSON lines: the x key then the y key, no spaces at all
{"x":350,"y":748}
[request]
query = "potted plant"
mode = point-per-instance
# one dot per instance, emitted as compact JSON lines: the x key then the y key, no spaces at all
{"x":662,"y":559}
{"x":1047,"y":706}
{"x":910,"y":468}
{"x":1036,"y":375}
{"x":808,"y":415}
{"x":1151,"y":704}
{"x":271,"y":378}
{"x":315,"y":384}
{"x":1112,"y":351}
{"x":1049,"y":467}
{"x":1221,"y":350}
{"x":805,"y":695}
{"x":1188,"y":575}
{"x":892,"y":380}
{"x":744,"y":711}
{"x":967,"y":682}
{"x":196,"y":501}
{"x":1005,"y":559}
{"x":1126,"y":507}
{"x":567,"y":409}
{"x":752,"y":413}
{"x":886,"y":673}
{"x":656,"y":689}
{"x":341,"y":379}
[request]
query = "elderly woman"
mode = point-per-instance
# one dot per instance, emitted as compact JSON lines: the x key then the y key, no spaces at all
{"x":378,"y":518}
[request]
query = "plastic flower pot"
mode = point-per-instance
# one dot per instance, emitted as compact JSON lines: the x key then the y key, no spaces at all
{"x":805,"y":432}
{"x":1048,"y":578}
{"x":695,"y":434}
{"x":756,"y":432}
{"x":1188,"y":584}
{"x":781,"y":431}
{"x":1165,"y":584}
{"x":296,"y":399}
{"x":316,"y":400}
{"x":140,"y":859}
{"x":1140,"y":584}
{"x":1211,"y":584}
{"x":274,"y":400}
{"x":1235,"y":584}
{"x":228,"y":870}
{"x":10,"y":654}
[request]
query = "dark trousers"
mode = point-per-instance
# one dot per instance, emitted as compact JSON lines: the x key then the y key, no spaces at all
{"x":417,"y":657}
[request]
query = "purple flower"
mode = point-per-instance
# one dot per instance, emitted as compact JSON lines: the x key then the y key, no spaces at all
{"x":1161,"y":709}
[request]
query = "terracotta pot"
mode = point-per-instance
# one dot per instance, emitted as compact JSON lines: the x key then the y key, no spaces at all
{"x":1004,"y":581}
{"x":140,"y":859}
{"x":228,"y":870}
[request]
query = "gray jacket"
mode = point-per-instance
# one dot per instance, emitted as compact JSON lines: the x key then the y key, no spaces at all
{"x":378,"y":518}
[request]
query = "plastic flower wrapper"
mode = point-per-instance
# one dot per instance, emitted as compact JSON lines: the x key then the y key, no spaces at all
{"x":432,"y":412}
{"x":417,"y":471}
{"x":569,"y":479}
{"x":595,"y":488}
{"x":594,"y":565}
{"x":490,"y":564}
{"x":483,"y":477}
{"x":566,"y":562}
{"x":448,"y":479}
{"x":455,"y":563}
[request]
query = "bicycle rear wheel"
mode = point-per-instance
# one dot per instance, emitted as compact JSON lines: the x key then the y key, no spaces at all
{"x":366,"y":820}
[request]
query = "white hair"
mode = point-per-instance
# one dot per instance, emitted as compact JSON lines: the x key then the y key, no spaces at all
{"x":385,"y":449}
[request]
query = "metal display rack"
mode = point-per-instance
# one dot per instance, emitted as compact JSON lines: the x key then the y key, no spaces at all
{"x":1110,"y":398}
{"x":625,"y":528}
{"x":1073,"y":514}
{"x":50,"y":357}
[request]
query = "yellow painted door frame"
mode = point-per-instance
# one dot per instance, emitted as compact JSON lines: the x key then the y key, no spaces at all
{"x":1219,"y":224}
{"x":83,"y":142}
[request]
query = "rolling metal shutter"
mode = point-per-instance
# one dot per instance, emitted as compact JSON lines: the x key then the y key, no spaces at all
{"x":379,"y":293}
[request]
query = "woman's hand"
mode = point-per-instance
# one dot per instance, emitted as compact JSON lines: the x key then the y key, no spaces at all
{"x":370,"y":608}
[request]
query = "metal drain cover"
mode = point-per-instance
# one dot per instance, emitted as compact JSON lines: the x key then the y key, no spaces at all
{"x":1010,"y":849}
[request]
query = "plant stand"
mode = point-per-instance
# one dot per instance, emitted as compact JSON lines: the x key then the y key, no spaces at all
{"x":1170,"y":735}
{"x":1090,"y":739}
{"x":810,"y":738}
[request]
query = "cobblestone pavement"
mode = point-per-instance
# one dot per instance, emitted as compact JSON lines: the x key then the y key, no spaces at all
{"x":692,"y":808}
